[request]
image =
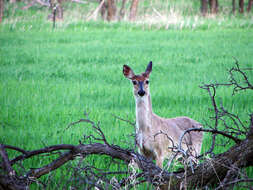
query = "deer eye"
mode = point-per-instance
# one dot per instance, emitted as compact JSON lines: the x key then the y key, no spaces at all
{"x":147,"y":82}
{"x":134,"y":82}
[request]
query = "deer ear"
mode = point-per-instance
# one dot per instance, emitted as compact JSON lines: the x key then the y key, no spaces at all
{"x":128,"y":72}
{"x":149,"y":68}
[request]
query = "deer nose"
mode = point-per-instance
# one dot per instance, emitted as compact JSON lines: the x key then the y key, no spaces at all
{"x":141,"y":92}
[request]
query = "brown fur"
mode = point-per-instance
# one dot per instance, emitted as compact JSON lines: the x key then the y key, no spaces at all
{"x":154,"y":135}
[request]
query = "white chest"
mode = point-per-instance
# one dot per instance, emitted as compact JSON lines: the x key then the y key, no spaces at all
{"x":143,"y":121}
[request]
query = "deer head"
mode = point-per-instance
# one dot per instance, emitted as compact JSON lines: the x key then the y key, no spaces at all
{"x":140,"y":82}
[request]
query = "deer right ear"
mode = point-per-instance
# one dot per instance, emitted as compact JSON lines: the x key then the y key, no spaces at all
{"x":149,"y":68}
{"x":128,"y":72}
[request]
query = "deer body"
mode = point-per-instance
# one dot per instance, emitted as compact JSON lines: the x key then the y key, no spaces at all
{"x":155,"y":136}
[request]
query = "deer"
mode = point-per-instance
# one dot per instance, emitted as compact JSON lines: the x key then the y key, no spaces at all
{"x":154,"y":134}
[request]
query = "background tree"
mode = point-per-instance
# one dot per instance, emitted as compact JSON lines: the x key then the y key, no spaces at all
{"x":1,"y":10}
{"x":111,"y":10}
{"x":122,"y":10}
{"x":249,"y":5}
{"x":133,"y":10}
{"x":56,"y":10}
{"x":213,"y":6}
{"x":241,"y":6}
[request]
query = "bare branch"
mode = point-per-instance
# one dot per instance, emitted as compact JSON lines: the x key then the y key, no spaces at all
{"x":213,"y":131}
{"x":125,"y":120}
{"x":6,"y":161}
{"x":36,"y":173}
{"x":29,"y":154}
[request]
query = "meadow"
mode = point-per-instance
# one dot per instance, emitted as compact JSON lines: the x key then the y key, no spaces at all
{"x":49,"y":78}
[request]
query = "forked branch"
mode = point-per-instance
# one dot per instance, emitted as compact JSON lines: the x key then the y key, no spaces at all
{"x":222,"y":170}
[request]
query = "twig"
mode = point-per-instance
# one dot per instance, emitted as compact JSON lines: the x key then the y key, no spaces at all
{"x":125,"y":120}
{"x":6,"y":161}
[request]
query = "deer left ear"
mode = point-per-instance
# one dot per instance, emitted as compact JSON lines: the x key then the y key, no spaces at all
{"x":149,"y":68}
{"x":128,"y":72}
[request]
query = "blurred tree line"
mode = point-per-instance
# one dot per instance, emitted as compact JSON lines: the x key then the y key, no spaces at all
{"x":214,"y":6}
{"x":116,"y":9}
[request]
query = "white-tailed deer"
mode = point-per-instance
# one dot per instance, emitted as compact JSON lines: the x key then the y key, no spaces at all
{"x":154,"y":135}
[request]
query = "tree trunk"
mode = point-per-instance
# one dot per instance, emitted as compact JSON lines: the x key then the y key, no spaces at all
{"x":204,"y":6}
{"x":59,"y":10}
{"x":122,"y":10}
{"x":133,"y":10}
{"x":217,"y":6}
{"x":1,"y":10}
{"x":111,"y":10}
{"x":103,"y":10}
{"x":233,"y":5}
{"x":215,"y":170}
{"x":249,"y":5}
{"x":213,"y":6}
{"x":241,"y":6}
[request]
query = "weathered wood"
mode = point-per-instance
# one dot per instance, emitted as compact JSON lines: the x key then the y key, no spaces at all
{"x":233,"y":6}
{"x":249,"y":5}
{"x":204,"y":7}
{"x":241,"y":6}
{"x":133,"y":10}
{"x":1,"y":10}
{"x":111,"y":10}
{"x":213,"y":6}
{"x":122,"y":10}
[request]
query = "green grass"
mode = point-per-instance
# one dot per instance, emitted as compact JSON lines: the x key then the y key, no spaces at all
{"x":48,"y":78}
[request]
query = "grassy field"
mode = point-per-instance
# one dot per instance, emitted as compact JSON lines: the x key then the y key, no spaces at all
{"x":48,"y":78}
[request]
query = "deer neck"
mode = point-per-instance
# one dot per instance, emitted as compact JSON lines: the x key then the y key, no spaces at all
{"x":143,"y":113}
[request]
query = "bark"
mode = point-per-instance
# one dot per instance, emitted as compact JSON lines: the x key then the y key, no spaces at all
{"x":233,"y":6}
{"x":57,"y":11}
{"x":111,"y":10}
{"x":217,"y":6}
{"x":249,"y":5}
{"x":133,"y":10}
{"x":1,"y":10}
{"x":213,"y":6}
{"x":122,"y":10}
{"x":103,"y":10}
{"x":204,"y":6}
{"x":241,"y":6}
{"x":214,"y":170}
{"x":210,"y":172}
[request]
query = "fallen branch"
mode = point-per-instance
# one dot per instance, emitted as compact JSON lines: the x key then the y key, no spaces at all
{"x":221,"y":170}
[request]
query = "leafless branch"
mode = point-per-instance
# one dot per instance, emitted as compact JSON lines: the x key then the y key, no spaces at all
{"x":221,"y":170}
{"x":125,"y":120}
{"x":6,"y":162}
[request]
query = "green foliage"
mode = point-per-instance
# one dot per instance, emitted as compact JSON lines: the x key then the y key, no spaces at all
{"x":158,"y":14}
{"x":48,"y":78}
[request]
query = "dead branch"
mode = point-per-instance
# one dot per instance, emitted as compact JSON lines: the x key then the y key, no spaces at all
{"x":220,"y":171}
{"x":150,"y":172}
{"x":125,"y":120}
{"x":6,"y":163}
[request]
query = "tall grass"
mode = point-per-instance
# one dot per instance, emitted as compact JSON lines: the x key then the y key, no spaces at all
{"x":48,"y":78}
{"x":158,"y":14}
